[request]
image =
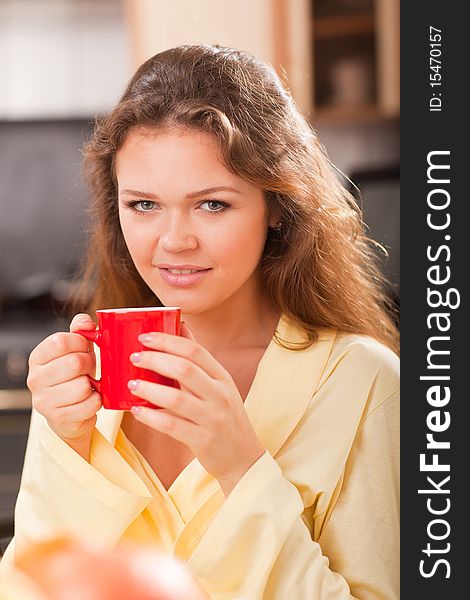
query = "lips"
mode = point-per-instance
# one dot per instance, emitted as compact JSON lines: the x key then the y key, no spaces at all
{"x":180,"y":277}
{"x":184,"y":271}
{"x":181,"y":267}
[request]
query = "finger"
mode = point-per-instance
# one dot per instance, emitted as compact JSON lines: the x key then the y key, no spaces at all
{"x":66,"y":394}
{"x":185,"y":348}
{"x":177,"y":428}
{"x":189,"y":375}
{"x":57,"y":344}
{"x":81,"y":411}
{"x":82,"y":321}
{"x":64,"y":369}
{"x":186,"y":332}
{"x":179,"y":402}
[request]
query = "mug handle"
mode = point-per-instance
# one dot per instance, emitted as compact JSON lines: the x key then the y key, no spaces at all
{"x":93,"y":336}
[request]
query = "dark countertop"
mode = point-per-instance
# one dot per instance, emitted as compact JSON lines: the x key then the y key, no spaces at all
{"x":15,"y":410}
{"x":15,"y":400}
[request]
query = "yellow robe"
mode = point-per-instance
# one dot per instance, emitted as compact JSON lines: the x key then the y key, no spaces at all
{"x":316,"y":517}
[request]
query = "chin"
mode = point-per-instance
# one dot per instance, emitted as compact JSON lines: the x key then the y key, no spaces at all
{"x":189,"y":303}
{"x":196,"y":299}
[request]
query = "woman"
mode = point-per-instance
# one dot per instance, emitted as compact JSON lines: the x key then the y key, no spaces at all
{"x":273,"y":472}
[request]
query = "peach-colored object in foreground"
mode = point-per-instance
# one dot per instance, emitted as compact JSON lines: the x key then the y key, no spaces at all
{"x":18,"y":586}
{"x":68,"y":569}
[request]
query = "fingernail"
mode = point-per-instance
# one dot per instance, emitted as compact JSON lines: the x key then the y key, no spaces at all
{"x":145,"y":338}
{"x":84,"y":320}
{"x":133,"y":384}
{"x":135,"y":410}
{"x":136,"y":356}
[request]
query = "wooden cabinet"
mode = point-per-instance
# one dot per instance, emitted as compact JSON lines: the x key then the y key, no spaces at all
{"x":340,"y":58}
{"x":355,"y":59}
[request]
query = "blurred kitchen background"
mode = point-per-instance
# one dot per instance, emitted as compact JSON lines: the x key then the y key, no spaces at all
{"x":62,"y":62}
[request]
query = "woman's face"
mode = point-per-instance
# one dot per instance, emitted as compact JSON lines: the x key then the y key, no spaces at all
{"x":181,"y":209}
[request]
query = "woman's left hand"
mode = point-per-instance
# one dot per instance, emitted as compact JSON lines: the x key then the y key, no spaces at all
{"x":207,"y":414}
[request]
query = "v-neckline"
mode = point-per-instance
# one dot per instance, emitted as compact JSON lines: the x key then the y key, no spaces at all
{"x":194,"y":462}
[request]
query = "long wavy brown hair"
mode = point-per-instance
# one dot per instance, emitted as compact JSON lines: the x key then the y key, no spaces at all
{"x":320,"y":269}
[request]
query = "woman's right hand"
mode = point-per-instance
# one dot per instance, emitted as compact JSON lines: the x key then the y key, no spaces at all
{"x":60,"y":388}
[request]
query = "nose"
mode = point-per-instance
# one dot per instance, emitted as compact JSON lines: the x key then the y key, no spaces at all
{"x":177,"y":234}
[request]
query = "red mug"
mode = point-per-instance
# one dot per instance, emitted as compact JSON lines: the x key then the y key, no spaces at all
{"x":116,"y":337}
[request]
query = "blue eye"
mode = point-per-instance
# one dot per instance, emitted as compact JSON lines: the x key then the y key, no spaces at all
{"x":147,"y":206}
{"x":141,"y":206}
{"x":220,"y":208}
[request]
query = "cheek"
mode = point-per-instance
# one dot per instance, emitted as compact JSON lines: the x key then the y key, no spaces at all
{"x":241,"y":246}
{"x":139,"y":240}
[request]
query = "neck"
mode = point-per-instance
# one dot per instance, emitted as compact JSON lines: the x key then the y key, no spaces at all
{"x":244,"y":321}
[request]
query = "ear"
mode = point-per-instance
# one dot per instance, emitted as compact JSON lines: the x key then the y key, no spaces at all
{"x":274,"y":216}
{"x":273,"y":221}
{"x":273,"y":209}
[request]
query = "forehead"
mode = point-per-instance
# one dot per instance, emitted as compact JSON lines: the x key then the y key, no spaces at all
{"x":158,"y":154}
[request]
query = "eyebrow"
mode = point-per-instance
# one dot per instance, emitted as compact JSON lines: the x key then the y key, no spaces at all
{"x":205,"y":192}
